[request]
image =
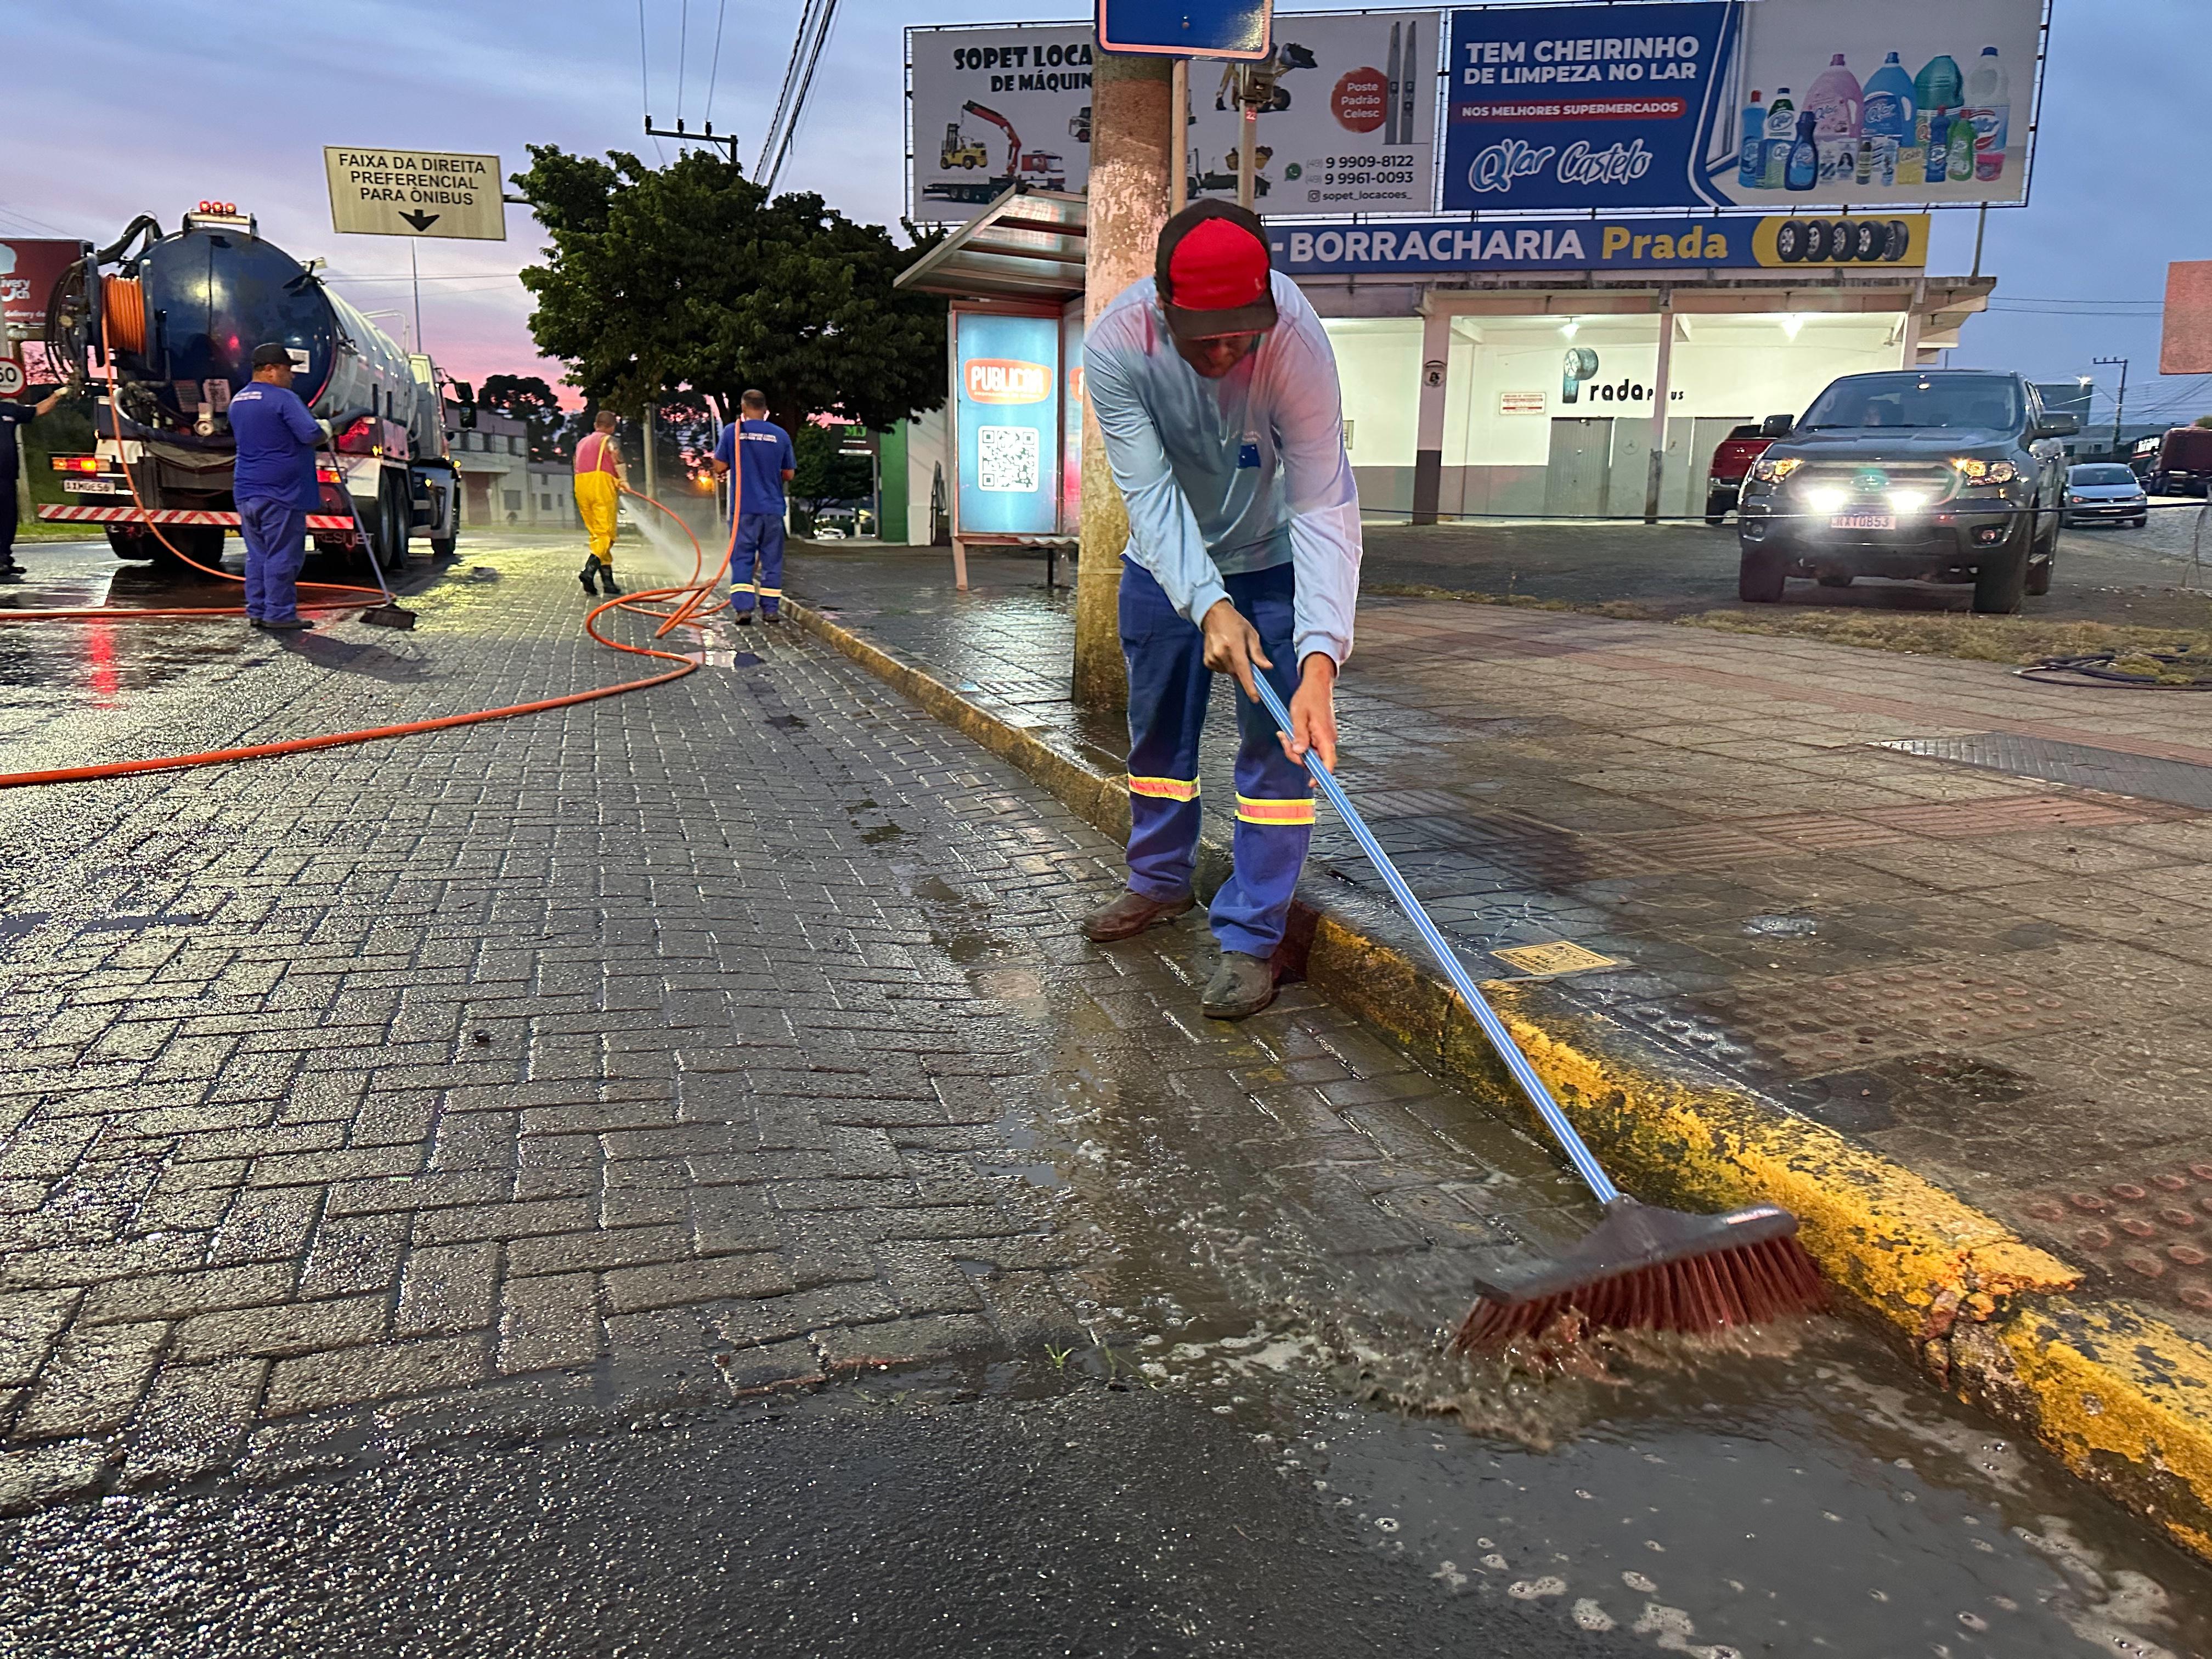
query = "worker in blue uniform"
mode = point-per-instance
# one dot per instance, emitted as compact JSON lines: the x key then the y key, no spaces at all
{"x":12,"y":416}
{"x":755,"y":506}
{"x":1217,"y":394}
{"x":274,"y":485}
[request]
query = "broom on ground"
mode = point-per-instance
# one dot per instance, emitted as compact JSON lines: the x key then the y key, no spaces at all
{"x":1642,"y":1268}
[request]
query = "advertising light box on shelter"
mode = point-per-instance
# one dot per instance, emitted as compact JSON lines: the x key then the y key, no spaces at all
{"x":1008,"y":423}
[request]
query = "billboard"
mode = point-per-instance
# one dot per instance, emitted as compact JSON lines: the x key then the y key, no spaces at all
{"x":990,"y":106}
{"x":2184,"y":344}
{"x":1351,"y":128}
{"x":1353,"y":125}
{"x":29,"y":268}
{"x":1778,"y":241}
{"x":1007,"y":422}
{"x":1780,"y":104}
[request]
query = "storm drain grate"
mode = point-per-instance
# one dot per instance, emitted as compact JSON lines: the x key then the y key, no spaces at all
{"x":2113,"y":771}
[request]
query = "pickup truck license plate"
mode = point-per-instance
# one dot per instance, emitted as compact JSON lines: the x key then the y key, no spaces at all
{"x":90,"y":486}
{"x":1863,"y":521}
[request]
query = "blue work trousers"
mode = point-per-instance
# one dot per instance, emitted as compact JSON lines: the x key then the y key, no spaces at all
{"x":275,"y":536}
{"x":756,"y":562}
{"x":1169,"y":687}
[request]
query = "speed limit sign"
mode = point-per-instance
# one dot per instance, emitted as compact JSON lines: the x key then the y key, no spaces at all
{"x":11,"y":377}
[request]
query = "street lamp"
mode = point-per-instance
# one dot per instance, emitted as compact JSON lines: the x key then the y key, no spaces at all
{"x":2120,"y":401}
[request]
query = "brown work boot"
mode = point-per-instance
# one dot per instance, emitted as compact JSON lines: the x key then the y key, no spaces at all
{"x":1242,"y":985}
{"x":1130,"y":915}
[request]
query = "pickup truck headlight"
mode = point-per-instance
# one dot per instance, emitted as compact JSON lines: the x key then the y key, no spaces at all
{"x":1978,"y":471}
{"x":1775,"y":472}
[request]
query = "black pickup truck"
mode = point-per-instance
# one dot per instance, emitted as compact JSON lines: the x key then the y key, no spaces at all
{"x":1927,"y":475}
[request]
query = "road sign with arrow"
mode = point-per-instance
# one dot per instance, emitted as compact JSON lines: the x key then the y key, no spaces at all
{"x":413,"y":192}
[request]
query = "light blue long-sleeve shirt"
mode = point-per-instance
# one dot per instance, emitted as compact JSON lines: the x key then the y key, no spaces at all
{"x":1238,"y":474}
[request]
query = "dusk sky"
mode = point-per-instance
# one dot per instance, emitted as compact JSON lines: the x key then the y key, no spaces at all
{"x":156,"y":106}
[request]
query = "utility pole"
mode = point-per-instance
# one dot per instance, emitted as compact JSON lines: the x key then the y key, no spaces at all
{"x":1248,"y":134}
{"x":1179,"y":122}
{"x":2119,"y":403}
{"x":1131,"y":127}
{"x":652,"y":482}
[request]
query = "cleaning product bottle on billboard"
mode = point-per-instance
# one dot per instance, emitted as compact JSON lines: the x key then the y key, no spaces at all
{"x":1781,"y":134}
{"x":1834,"y":104}
{"x":1887,"y":118}
{"x":1939,"y":146}
{"x":1804,"y":169}
{"x":1937,"y":87}
{"x":1961,"y":164}
{"x":1751,"y":166}
{"x":1988,"y":111}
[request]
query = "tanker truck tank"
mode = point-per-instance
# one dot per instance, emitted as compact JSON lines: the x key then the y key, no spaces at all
{"x":179,"y":321}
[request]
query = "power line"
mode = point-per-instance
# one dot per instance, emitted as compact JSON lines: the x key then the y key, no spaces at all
{"x":683,"y":53}
{"x":798,"y":78}
{"x":645,"y":85}
{"x":714,"y":70}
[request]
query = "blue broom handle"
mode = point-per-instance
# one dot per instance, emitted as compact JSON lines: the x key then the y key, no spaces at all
{"x":1501,"y":1040}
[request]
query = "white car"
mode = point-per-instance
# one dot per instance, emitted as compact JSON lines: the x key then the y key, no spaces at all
{"x":827,"y":532}
{"x":2103,"y":492}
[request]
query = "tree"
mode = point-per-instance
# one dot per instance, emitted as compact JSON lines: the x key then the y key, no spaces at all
{"x":527,"y":397}
{"x":820,"y":474}
{"x":690,"y":276}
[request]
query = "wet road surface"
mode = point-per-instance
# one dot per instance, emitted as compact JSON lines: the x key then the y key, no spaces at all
{"x":2104,"y":574}
{"x":1235,"y":1436}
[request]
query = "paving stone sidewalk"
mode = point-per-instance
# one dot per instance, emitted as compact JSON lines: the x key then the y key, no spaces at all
{"x":1998,"y":979}
{"x":720,"y":1038}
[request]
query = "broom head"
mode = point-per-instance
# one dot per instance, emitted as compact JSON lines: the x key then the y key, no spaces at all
{"x":1644,"y":1268}
{"x":388,"y":616}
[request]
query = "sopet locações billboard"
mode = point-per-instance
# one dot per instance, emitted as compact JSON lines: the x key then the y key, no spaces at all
{"x":1796,"y":104}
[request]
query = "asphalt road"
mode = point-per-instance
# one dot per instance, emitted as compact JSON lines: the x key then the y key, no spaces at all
{"x":2103,"y":573}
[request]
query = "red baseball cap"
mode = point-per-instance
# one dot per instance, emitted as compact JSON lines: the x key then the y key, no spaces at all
{"x":1212,"y":272}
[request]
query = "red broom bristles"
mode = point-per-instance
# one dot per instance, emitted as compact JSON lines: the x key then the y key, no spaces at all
{"x":1747,"y":1286}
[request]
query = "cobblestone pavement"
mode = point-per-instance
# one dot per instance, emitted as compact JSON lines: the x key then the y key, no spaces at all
{"x":1998,"y":979}
{"x":390,"y":1106}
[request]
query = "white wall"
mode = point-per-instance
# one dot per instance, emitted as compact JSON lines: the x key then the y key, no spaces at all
{"x":1743,"y":367}
{"x":925,"y":451}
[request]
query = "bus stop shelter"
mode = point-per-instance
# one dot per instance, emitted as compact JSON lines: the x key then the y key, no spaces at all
{"x":1014,"y":277}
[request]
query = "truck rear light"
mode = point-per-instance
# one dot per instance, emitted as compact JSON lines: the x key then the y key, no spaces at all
{"x":329,"y":475}
{"x":77,"y":463}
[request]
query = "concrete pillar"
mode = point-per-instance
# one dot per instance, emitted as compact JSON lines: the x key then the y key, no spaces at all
{"x":1655,"y":467}
{"x":1130,"y":159}
{"x":1429,"y":433}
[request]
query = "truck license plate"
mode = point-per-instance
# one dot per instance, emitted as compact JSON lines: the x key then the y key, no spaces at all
{"x":90,"y":486}
{"x":1863,"y":521}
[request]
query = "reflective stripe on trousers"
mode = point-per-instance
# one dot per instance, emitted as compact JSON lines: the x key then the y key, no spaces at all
{"x":1169,"y":687}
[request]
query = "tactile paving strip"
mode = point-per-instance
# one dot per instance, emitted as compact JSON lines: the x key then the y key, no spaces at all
{"x":2155,"y":1231}
{"x":2111,"y":770}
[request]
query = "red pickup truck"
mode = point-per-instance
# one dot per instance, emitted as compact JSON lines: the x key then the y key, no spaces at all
{"x":1732,"y":459}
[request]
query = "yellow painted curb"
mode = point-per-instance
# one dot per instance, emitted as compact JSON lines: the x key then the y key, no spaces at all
{"x":1890,"y":1239}
{"x":2124,"y":1401}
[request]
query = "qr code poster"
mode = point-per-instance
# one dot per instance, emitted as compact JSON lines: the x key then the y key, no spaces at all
{"x":1008,"y":458}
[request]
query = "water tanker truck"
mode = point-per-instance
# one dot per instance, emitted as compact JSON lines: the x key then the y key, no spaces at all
{"x":170,"y":324}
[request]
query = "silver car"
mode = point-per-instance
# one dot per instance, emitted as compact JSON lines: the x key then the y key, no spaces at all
{"x":2103,"y":492}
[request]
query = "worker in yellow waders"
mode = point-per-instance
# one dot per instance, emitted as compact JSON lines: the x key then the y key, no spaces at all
{"x":600,"y":477}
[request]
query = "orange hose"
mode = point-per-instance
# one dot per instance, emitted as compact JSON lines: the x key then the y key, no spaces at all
{"x":690,"y":598}
{"x":122,"y":299}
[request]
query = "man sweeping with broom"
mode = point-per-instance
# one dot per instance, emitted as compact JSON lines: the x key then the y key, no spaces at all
{"x":1217,"y":393}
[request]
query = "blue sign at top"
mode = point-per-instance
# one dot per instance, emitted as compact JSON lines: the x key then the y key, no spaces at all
{"x":1582,"y":106}
{"x":1187,"y":29}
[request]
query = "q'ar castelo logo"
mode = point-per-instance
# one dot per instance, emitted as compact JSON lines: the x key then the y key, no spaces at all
{"x":1007,"y":380}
